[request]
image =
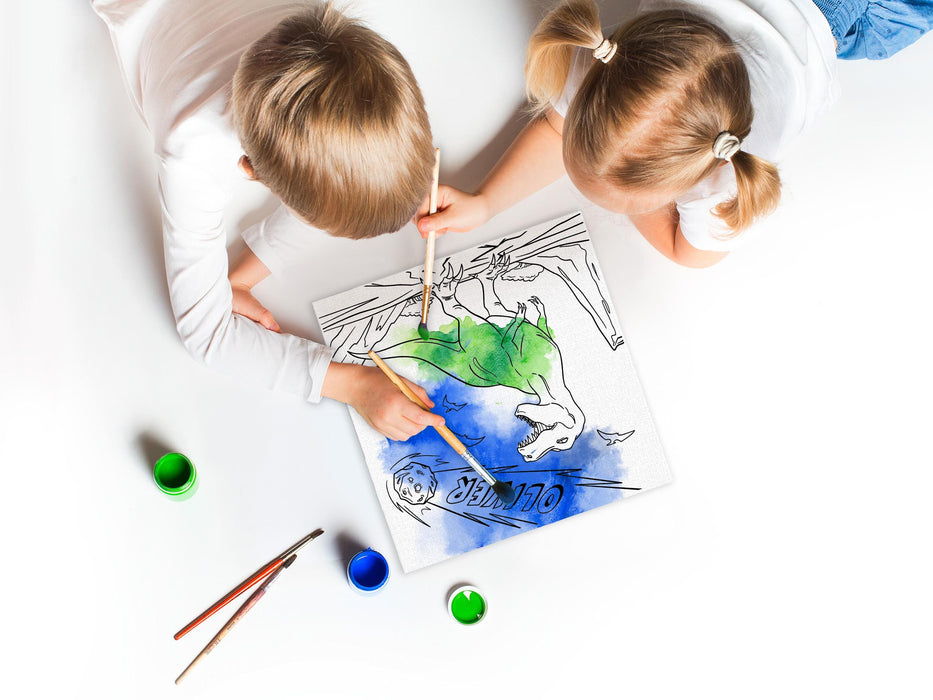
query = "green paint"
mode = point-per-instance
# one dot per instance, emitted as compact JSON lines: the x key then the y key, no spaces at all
{"x":468,"y":607}
{"x":423,"y":331}
{"x":175,"y":476}
{"x":486,"y":354}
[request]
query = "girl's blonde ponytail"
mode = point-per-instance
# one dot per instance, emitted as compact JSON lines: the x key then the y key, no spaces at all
{"x":759,"y":190}
{"x":649,"y":118}
{"x":550,"y":50}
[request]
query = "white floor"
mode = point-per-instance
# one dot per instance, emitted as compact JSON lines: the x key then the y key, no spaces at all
{"x":791,"y":386}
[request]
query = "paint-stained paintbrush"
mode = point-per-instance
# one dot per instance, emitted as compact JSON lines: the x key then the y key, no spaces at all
{"x":237,"y":616}
{"x":429,"y":250}
{"x":504,"y":491}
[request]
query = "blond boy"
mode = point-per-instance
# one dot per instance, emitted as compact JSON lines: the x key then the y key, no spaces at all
{"x":322,"y":111}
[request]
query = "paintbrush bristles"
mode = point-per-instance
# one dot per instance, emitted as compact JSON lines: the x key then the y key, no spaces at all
{"x":505,"y":492}
{"x":429,"y":247}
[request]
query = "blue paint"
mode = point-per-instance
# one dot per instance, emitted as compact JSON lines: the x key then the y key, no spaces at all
{"x":550,"y":489}
{"x":368,"y":570}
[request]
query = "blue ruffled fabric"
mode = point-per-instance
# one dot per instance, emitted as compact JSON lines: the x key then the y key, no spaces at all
{"x":876,"y":30}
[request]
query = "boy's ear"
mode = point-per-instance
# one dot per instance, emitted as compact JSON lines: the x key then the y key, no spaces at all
{"x":246,"y":166}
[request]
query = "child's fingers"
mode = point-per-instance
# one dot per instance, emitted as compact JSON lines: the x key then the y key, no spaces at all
{"x":425,"y":234}
{"x":423,"y":209}
{"x":435,"y":222}
{"x":413,"y":413}
{"x":401,"y":427}
{"x":444,"y":197}
{"x":393,"y":425}
{"x":246,"y":305}
{"x":421,"y":418}
{"x":410,"y":421}
{"x":261,"y":315}
{"x":422,"y":394}
{"x":268,"y":320}
{"x":438,"y":233}
{"x":430,"y":223}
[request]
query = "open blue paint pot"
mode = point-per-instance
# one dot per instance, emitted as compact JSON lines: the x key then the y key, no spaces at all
{"x":368,"y":571}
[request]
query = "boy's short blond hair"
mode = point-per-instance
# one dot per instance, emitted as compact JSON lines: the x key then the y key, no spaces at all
{"x":333,"y":122}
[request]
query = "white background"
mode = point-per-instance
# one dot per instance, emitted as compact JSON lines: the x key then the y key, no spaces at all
{"x":790,"y":384}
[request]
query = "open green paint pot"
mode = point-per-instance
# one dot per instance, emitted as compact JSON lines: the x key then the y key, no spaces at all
{"x":176,"y":476}
{"x":467,"y":605}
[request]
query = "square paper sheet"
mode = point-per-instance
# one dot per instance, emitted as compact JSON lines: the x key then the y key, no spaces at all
{"x":526,"y":363}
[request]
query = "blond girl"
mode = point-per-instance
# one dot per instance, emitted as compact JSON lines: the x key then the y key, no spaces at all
{"x":677,"y":117}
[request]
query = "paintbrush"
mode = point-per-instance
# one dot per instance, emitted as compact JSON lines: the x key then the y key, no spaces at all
{"x":269,"y":568}
{"x":429,"y":250}
{"x":504,"y":491}
{"x":237,"y":616}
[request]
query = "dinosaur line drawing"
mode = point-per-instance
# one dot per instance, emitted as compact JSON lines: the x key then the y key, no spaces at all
{"x":499,"y":346}
{"x":559,"y":250}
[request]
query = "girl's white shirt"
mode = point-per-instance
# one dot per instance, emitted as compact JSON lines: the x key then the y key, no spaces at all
{"x":790,"y":55}
{"x":178,"y":59}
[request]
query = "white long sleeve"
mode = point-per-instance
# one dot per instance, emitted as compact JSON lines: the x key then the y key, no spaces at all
{"x":202,"y":301}
{"x":178,"y":60}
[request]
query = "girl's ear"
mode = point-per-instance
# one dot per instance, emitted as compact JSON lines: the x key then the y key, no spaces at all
{"x":246,"y":166}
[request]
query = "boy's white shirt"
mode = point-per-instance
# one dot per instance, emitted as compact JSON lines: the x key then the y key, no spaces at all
{"x":790,"y":55}
{"x":178,"y":58}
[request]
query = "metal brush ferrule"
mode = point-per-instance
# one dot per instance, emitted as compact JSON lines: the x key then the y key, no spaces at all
{"x":481,"y":470}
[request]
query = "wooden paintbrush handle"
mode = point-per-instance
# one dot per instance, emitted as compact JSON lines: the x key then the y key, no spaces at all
{"x":432,"y":235}
{"x":443,"y":430}
{"x":248,"y":583}
{"x":451,"y":439}
{"x":429,"y":258}
{"x":435,"y":178}
{"x":237,"y":616}
{"x":395,"y":379}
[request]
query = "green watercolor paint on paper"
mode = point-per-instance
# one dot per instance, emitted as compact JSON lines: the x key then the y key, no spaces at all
{"x":486,"y":354}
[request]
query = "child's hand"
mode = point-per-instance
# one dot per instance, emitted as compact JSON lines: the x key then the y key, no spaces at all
{"x":245,"y":304}
{"x":379,"y":401}
{"x":456,"y":211}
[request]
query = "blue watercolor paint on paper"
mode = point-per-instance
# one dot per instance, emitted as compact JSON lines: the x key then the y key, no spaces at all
{"x":572,"y":474}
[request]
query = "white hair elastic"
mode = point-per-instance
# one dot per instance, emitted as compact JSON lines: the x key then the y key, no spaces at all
{"x":605,"y":51}
{"x":726,"y":145}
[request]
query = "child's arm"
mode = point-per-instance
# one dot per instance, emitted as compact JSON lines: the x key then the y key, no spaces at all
{"x":367,"y":389}
{"x":247,"y":272}
{"x":533,"y":161}
{"x":378,"y":400}
{"x":194,"y":197}
{"x":196,"y":265}
{"x":661,"y":228}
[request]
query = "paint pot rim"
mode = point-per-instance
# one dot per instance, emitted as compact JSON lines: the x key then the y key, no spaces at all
{"x":368,"y":553}
{"x":185,"y":489}
{"x":467,"y":589}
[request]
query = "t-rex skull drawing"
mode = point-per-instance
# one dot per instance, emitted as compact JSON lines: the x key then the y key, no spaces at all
{"x":501,"y":347}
